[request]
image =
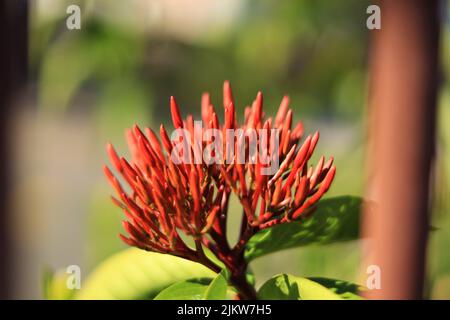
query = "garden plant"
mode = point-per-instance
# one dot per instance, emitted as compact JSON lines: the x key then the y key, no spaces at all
{"x":175,"y":195}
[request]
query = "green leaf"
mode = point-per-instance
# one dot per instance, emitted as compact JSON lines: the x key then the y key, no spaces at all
{"x":196,"y":289}
{"x":335,"y":219}
{"x":192,"y":289}
{"x":288,"y":287}
{"x":346,"y":290}
{"x":47,"y":278}
{"x":138,"y":274}
{"x":217,"y":289}
{"x":54,"y":285}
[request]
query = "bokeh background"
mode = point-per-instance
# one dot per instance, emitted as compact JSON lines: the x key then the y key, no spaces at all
{"x":86,"y":86}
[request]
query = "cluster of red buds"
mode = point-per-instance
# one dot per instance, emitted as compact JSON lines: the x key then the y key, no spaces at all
{"x":168,"y":198}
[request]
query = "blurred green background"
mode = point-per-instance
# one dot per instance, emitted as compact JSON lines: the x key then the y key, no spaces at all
{"x":88,"y":85}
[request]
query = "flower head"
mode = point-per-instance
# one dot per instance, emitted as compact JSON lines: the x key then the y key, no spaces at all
{"x":168,"y":197}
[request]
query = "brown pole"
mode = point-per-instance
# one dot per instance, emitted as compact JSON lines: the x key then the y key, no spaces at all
{"x":402,"y":120}
{"x":13,"y":67}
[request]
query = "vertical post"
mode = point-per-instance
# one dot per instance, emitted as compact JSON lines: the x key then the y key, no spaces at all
{"x":13,"y":66}
{"x":402,"y":120}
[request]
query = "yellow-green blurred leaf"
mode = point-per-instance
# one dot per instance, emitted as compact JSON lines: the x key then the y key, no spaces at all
{"x":137,"y":274}
{"x":54,"y":285}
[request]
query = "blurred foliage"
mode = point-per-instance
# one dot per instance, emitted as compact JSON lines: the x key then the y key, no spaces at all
{"x":54,"y":285}
{"x":278,"y":47}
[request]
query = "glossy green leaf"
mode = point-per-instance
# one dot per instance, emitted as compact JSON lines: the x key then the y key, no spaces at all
{"x":137,"y":274}
{"x":192,"y":289}
{"x":288,"y":287}
{"x":217,"y":289}
{"x":346,"y":290}
{"x":196,"y":289}
{"x":335,"y":219}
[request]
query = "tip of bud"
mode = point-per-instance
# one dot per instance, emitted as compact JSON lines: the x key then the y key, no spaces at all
{"x":135,"y":126}
{"x":108,"y":173}
{"x":175,"y":111}
{"x":316,"y":136}
{"x":259,"y":95}
{"x":227,"y":94}
{"x":113,"y":156}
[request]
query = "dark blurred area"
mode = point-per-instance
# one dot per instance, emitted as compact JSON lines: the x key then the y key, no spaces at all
{"x":84,"y":87}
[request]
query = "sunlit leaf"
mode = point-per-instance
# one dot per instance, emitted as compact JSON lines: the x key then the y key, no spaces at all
{"x":217,"y":289}
{"x":196,"y":289}
{"x":137,"y":274}
{"x":54,"y":285}
{"x":288,"y":287}
{"x":345,"y":289}
{"x":192,"y":289}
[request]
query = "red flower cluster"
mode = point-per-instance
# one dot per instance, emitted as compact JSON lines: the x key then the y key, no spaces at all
{"x":167,"y":199}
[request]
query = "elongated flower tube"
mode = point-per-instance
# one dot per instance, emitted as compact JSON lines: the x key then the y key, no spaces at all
{"x":181,"y":186}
